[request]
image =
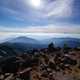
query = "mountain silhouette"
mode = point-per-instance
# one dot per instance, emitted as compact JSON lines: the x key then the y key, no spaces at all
{"x":22,"y":44}
{"x":23,"y":39}
{"x":71,"y":42}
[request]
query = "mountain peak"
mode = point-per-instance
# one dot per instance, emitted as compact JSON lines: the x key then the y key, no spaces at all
{"x":23,"y":39}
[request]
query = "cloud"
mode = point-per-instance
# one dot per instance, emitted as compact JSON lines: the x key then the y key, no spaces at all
{"x":44,"y":29}
{"x":21,"y":10}
{"x":39,"y":36}
{"x":61,"y":8}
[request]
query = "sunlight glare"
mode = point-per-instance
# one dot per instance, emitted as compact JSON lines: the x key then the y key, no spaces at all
{"x":35,"y":3}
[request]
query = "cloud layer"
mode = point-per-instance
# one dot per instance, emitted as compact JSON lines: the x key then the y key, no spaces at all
{"x":19,"y":17}
{"x":44,"y":29}
{"x":21,"y":9}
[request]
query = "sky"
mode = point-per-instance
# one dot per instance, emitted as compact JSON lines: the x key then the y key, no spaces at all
{"x":39,"y":16}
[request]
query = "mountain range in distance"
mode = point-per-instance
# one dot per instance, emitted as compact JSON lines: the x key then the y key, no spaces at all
{"x":30,"y":42}
{"x":22,"y":44}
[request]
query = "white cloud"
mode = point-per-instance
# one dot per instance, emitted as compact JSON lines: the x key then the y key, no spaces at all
{"x":62,"y":8}
{"x":58,"y":8}
{"x":43,"y":29}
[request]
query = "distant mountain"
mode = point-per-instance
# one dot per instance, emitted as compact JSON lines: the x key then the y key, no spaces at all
{"x":23,"y":39}
{"x":17,"y":45}
{"x":29,"y":43}
{"x":22,"y":44}
{"x":71,"y":42}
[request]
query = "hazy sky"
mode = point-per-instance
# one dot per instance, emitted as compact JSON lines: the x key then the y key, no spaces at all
{"x":39,"y":16}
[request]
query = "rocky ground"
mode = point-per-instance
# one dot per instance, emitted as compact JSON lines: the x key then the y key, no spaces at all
{"x":44,"y":65}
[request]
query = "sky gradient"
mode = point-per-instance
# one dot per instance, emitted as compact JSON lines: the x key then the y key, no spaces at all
{"x":52,"y":16}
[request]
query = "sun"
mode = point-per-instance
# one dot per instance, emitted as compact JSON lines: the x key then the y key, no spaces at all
{"x":35,"y":3}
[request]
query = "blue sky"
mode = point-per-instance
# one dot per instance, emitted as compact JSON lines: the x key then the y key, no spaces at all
{"x":51,"y":16}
